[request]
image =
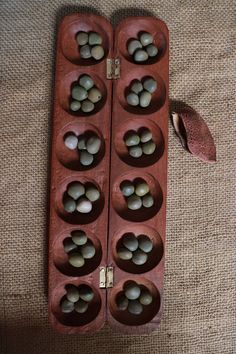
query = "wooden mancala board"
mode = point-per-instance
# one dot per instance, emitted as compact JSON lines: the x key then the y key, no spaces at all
{"x":104,"y":277}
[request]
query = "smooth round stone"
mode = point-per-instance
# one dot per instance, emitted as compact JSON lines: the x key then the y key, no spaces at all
{"x":132,"y":140}
{"x":94,"y":95}
{"x":71,"y":141}
{"x":86,"y":159}
{"x":134,"y":202}
{"x":79,"y":93}
{"x":136,"y":87}
{"x":88,"y":251}
{"x":81,"y":143}
{"x":75,"y":106}
{"x":75,"y":190}
{"x":145,"y":244}
{"x":87,"y":106}
{"x":72,"y":293}
{"x":82,"y":38}
{"x":124,"y":254}
{"x":148,"y":201}
{"x":135,"y":151}
{"x":81,"y":306}
{"x":85,"y":52}
{"x":132,"y":292}
{"x":130,"y":242}
{"x":69,"y":245}
{"x":122,"y":303}
{"x":84,"y":206}
{"x":93,"y":144}
{"x":76,"y":260}
{"x":127,"y":188}
{"x":151,"y":50}
{"x":69,"y":205}
{"x":135,"y":308}
{"x":145,"y":298}
{"x":139,"y":257}
{"x":140,"y":55}
{"x":150,"y":85}
{"x":146,"y":39}
{"x":133,"y":46}
{"x":79,"y":237}
{"x":97,"y":52}
{"x":67,"y":306}
{"x":92,"y":194}
{"x":141,"y":189}
{"x":132,"y":99}
{"x":86,"y":293}
{"x":94,"y":38}
{"x":149,"y":148}
{"x":145,"y":99}
{"x":146,"y":135}
{"x":86,"y":82}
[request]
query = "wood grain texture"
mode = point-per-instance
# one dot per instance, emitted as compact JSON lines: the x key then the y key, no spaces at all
{"x":112,"y":166}
{"x":150,"y":221}
{"x":65,"y":169}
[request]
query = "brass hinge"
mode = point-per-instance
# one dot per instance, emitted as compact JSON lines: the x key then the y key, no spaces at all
{"x":110,"y":277}
{"x":102,"y":277}
{"x":106,"y":277}
{"x":113,"y":69}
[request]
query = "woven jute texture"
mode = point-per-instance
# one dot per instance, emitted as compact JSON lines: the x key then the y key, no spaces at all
{"x":200,"y":278}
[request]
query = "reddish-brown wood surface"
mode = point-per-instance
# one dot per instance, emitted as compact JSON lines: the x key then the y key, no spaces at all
{"x":111,"y":211}
{"x":152,"y":221}
{"x":65,"y":169}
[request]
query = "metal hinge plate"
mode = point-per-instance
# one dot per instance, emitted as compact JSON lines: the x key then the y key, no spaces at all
{"x":109,"y":277}
{"x":106,"y":277}
{"x":102,"y":277}
{"x":113,"y":69}
{"x":117,"y":68}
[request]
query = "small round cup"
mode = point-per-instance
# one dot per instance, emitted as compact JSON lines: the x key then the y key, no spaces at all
{"x":70,"y":158}
{"x":70,"y":47}
{"x":119,"y":202}
{"x":158,"y":96}
{"x":132,"y":29}
{"x":154,"y":257}
{"x":60,"y":257}
{"x":149,"y":311}
{"x":74,"y":319}
{"x":136,"y":126}
{"x":72,"y":79}
{"x":76,"y":217}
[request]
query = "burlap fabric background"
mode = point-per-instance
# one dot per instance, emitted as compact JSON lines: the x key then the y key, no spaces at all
{"x":200,"y":294}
